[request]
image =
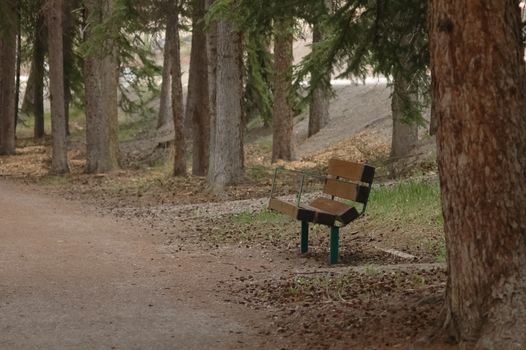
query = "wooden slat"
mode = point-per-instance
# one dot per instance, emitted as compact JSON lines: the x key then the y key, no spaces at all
{"x":283,"y":207}
{"x":329,"y":206}
{"x":341,"y":189}
{"x":345,"y":169}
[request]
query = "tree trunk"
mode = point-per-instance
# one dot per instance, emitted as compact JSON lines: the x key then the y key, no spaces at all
{"x":226,"y":163}
{"x":282,"y":115}
{"x":177,"y":96}
{"x":29,"y":95}
{"x":319,"y":105}
{"x":39,"y":52}
{"x":7,"y":80}
{"x":59,"y":159}
{"x":211,"y":53}
{"x":405,"y":131}
{"x":477,"y":65}
{"x":101,"y":78}
{"x":69,"y":33}
{"x":197,"y":107}
{"x":18,"y":62}
{"x":165,"y":104}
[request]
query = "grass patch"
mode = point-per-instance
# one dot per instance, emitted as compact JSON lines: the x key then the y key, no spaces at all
{"x":54,"y":180}
{"x":265,"y":144}
{"x":411,"y":202}
{"x":262,"y":217}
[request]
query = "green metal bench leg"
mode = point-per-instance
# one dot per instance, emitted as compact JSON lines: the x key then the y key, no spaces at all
{"x":304,"y":237}
{"x":335,"y":238}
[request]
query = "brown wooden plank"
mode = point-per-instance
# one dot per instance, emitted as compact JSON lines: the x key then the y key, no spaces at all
{"x":341,"y":189}
{"x":329,"y":206}
{"x":283,"y":207}
{"x":345,"y":169}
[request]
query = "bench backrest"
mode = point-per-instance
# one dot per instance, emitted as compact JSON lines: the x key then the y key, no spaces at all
{"x":349,"y":180}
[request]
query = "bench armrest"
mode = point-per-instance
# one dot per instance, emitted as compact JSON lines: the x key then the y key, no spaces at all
{"x":302,"y":174}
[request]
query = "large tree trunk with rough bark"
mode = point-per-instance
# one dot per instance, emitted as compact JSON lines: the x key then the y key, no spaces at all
{"x":101,"y":78}
{"x":177,"y":95}
{"x":227,"y":160}
{"x":197,"y":106}
{"x":319,"y":105}
{"x":38,"y":70}
{"x":59,"y":159}
{"x":165,"y":103}
{"x":405,"y":130}
{"x":7,"y":79}
{"x":282,"y":114}
{"x":479,"y":102}
{"x":211,"y":54}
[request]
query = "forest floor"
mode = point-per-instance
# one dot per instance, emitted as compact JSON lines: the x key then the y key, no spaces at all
{"x":138,"y":259}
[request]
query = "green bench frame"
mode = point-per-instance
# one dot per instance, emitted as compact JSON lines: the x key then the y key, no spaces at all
{"x":346,"y":180}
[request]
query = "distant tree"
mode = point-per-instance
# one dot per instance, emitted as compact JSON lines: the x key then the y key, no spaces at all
{"x":227,"y":158}
{"x":283,"y":112}
{"x":59,"y":159}
{"x":8,"y":32}
{"x":36,"y":80}
{"x":197,"y":105}
{"x":479,"y":102}
{"x":321,"y":94}
{"x":211,"y":54}
{"x":101,"y":78}
{"x":165,"y":102}
{"x":177,"y":92}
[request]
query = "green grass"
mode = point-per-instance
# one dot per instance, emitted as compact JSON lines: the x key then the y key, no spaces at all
{"x":262,"y":217}
{"x":410,"y":202}
{"x":258,"y":172}
{"x":265,"y":144}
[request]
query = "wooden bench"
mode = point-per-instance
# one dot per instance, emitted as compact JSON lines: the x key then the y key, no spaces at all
{"x":344,"y":180}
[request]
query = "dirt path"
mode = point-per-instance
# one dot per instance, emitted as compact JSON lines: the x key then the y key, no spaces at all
{"x":72,"y":280}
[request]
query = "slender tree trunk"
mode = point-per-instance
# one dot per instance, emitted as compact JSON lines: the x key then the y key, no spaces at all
{"x":59,"y":159}
{"x":7,"y":80}
{"x":39,"y":52}
{"x":282,"y":118}
{"x":18,"y":62}
{"x":319,"y":105}
{"x":479,"y":90}
{"x":165,"y":106}
{"x":405,"y":132}
{"x":29,"y":95}
{"x":69,"y":33}
{"x":211,"y":51}
{"x":197,"y":107}
{"x":226,"y":164}
{"x":177,"y":96}
{"x":101,"y":78}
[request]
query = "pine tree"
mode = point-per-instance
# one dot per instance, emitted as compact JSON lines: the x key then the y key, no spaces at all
{"x":8,"y":29}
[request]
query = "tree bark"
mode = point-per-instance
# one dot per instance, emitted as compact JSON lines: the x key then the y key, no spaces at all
{"x":211,"y":53}
{"x":29,"y":94}
{"x":405,"y":131}
{"x":177,"y":96}
{"x":319,"y":105}
{"x":477,"y":65}
{"x":282,"y":115}
{"x":39,"y":52}
{"x":227,"y":161}
{"x":69,"y":33}
{"x":197,"y":106}
{"x":59,"y":159}
{"x":101,"y":78}
{"x":165,"y":103}
{"x":7,"y":80}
